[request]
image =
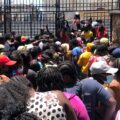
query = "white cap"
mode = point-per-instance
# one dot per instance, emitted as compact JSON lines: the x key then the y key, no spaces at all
{"x":102,"y":67}
{"x":94,"y":24}
{"x":58,"y":43}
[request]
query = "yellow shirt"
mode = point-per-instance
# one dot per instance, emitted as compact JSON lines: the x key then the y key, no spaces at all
{"x":87,"y":35}
{"x":83,"y":61}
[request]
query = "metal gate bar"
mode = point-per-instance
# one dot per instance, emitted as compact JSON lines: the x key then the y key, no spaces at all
{"x":29,"y":16}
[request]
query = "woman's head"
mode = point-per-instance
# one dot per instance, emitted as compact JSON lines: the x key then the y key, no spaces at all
{"x":15,"y":55}
{"x":34,"y":52}
{"x":14,"y":95}
{"x":68,"y":71}
{"x":35,"y":65}
{"x":26,"y":57}
{"x":49,"y":78}
{"x":18,"y":87}
{"x":101,"y":50}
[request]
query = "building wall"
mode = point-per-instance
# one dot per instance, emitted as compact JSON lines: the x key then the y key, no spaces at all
{"x":116,"y":26}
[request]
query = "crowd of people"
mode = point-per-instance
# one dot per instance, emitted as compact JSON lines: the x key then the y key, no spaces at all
{"x":72,"y":76}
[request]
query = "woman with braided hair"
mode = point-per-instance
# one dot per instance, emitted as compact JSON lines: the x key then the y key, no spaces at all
{"x":51,"y":79}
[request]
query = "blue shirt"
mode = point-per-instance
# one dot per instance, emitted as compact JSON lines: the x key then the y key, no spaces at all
{"x":77,"y":51}
{"x":91,"y":92}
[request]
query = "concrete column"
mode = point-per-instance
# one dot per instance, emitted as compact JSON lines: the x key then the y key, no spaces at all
{"x":115,"y":26}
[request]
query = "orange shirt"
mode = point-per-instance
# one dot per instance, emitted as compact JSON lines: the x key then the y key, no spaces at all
{"x":115,"y":86}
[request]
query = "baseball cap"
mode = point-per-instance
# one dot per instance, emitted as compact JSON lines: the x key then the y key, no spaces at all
{"x":104,"y":41}
{"x":4,"y":60}
{"x":102,"y":67}
{"x":58,"y":43}
{"x":94,"y":24}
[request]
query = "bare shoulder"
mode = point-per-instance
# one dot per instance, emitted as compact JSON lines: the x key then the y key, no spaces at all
{"x":60,"y":95}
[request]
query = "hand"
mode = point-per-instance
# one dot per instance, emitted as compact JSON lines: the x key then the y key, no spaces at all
{"x":4,"y":79}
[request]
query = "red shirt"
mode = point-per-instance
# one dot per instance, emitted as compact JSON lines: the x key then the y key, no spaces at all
{"x":101,"y":34}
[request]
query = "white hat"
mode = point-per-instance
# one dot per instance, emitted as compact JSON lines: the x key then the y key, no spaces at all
{"x":58,"y":43}
{"x":94,"y":24}
{"x":102,"y":67}
{"x":22,"y":48}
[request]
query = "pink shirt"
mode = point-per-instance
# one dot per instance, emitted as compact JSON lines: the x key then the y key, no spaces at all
{"x":118,"y":115}
{"x":78,"y":106}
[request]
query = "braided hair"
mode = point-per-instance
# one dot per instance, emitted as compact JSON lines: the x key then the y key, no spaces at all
{"x":67,"y":68}
{"x":49,"y":78}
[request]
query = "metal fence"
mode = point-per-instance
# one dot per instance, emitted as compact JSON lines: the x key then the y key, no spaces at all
{"x":27,"y":17}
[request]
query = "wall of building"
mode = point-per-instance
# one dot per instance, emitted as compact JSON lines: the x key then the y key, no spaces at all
{"x":115,"y":15}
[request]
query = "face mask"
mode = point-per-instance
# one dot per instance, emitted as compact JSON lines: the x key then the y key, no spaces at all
{"x":109,"y":78}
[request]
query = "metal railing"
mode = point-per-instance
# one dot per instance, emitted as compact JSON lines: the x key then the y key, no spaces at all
{"x":29,"y":16}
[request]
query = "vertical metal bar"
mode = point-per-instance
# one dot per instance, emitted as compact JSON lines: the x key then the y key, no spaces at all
{"x":83,"y":4}
{"x":24,"y":16}
{"x":31,"y":21}
{"x":112,"y":4}
{"x":21,"y":15}
{"x":5,"y":16}
{"x":76,"y":5}
{"x":34,"y":18}
{"x":57,"y":15}
{"x":10,"y":18}
{"x":111,"y":16}
{"x":119,"y":4}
